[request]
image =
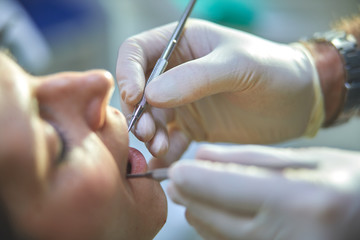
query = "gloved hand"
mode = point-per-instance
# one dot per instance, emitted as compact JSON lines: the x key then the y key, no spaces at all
{"x":287,"y":194}
{"x":223,"y":85}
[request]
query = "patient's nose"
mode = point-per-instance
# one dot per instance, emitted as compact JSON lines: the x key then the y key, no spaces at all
{"x":84,"y":95}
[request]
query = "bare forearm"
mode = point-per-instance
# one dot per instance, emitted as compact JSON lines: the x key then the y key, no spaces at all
{"x":330,"y":66}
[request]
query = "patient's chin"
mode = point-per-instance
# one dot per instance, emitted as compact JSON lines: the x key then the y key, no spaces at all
{"x":156,"y":212}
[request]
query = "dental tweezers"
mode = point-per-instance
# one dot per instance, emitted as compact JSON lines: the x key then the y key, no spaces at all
{"x":162,"y":61}
{"x":156,"y":174}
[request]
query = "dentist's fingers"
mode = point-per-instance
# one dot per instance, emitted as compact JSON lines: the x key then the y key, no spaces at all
{"x":212,"y":221}
{"x":260,"y":156}
{"x":145,"y":128}
{"x":232,"y":186}
{"x":178,"y":143}
{"x":159,"y":144}
{"x":189,"y":82}
{"x":136,"y":58}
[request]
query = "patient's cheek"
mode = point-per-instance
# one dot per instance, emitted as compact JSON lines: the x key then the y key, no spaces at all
{"x":86,"y":210}
{"x":98,"y":188}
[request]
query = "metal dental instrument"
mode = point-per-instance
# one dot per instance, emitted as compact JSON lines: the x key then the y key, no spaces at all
{"x":162,"y":61}
{"x":156,"y":174}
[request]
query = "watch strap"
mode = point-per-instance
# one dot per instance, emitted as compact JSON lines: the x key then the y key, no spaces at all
{"x":352,"y":67}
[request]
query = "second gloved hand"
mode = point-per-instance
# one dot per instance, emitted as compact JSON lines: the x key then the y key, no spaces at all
{"x":222,"y":85}
{"x":287,"y":194}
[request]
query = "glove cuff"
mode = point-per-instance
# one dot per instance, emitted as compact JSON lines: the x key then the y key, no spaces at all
{"x":317,"y":113}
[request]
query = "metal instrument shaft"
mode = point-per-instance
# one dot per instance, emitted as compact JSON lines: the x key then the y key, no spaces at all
{"x":162,"y":62}
{"x":156,"y":174}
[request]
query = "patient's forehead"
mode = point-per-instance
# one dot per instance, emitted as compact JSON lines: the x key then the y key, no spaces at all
{"x":7,"y":70}
{"x":14,"y":96}
{"x":14,"y":85}
{"x":7,"y":85}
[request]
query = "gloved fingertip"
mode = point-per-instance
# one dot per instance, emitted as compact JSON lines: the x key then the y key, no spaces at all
{"x":189,"y":217}
{"x":205,"y":150}
{"x":157,"y":149}
{"x":174,"y":194}
{"x":159,"y":145}
{"x":176,"y":172}
{"x":160,"y":93}
{"x":170,"y":188}
{"x":151,"y":87}
{"x":130,"y":93}
{"x":155,"y":163}
{"x":144,"y":130}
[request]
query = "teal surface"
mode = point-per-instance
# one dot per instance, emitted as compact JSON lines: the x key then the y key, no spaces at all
{"x":227,"y":12}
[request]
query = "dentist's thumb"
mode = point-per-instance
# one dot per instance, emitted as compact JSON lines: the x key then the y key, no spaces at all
{"x":187,"y":83}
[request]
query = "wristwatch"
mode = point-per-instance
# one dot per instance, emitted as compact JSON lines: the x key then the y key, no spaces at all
{"x":347,"y":46}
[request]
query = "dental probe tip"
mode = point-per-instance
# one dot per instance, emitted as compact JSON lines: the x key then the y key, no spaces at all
{"x":159,"y":174}
{"x":131,"y":124}
{"x":137,"y":113}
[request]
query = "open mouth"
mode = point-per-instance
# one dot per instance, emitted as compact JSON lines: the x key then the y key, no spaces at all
{"x":136,"y":162}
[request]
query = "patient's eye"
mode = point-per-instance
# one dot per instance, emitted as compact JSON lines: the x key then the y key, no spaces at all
{"x":47,"y":116}
{"x":64,"y":144}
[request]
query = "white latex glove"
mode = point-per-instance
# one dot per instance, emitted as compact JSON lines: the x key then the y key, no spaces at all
{"x":311,"y":194}
{"x":223,"y":85}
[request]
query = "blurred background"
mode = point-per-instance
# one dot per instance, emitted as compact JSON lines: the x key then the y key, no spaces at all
{"x":61,"y":35}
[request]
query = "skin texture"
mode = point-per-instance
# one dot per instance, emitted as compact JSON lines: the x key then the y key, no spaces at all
{"x":76,"y":188}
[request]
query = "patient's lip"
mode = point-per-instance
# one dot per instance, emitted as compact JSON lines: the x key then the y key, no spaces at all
{"x":137,"y":161}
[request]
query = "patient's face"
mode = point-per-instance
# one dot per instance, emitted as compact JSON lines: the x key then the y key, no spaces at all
{"x":64,"y":157}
